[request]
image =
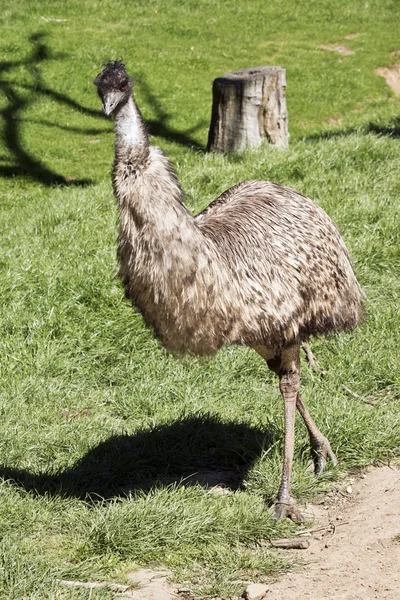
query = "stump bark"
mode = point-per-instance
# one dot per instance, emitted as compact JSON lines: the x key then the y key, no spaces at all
{"x":249,"y":107}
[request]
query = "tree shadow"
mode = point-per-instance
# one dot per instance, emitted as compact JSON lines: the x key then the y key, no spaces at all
{"x":195,"y":450}
{"x":159,"y":126}
{"x":390,"y":129}
{"x":20,"y":96}
{"x":23,"y":163}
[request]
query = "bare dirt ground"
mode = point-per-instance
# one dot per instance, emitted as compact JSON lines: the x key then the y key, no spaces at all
{"x":353,"y":552}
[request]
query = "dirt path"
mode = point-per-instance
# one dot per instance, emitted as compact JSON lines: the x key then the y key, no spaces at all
{"x":353,"y":553}
{"x":357,"y":556}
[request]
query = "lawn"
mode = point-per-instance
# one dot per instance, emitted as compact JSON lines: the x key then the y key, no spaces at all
{"x":100,"y":428}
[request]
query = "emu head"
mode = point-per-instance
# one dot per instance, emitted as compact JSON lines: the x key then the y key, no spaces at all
{"x":114,"y":86}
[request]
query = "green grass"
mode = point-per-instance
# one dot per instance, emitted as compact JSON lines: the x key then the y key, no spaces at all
{"x":98,"y":424}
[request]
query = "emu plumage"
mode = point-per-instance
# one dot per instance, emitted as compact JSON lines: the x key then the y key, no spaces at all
{"x":262,"y":266}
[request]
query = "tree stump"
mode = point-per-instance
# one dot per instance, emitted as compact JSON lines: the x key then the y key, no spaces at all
{"x":249,"y":107}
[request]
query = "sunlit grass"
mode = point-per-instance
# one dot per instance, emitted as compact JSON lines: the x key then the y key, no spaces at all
{"x":99,"y":425}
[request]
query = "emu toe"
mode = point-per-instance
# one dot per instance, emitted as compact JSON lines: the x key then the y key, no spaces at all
{"x":321,"y":450}
{"x":287,"y":509}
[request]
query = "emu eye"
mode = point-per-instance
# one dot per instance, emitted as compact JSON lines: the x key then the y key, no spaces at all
{"x":124,"y":86}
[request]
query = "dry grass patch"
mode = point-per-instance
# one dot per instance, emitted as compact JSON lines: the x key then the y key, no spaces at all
{"x":392,"y":76}
{"x":337,"y":48}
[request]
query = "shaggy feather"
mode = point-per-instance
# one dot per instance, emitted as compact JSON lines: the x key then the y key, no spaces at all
{"x":262,"y":265}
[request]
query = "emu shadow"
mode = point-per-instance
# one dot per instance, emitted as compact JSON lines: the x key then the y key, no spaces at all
{"x":197,"y":450}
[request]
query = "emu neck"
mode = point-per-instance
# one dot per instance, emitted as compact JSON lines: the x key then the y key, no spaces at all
{"x":157,"y":230}
{"x":169,"y":269}
{"x":129,"y":126}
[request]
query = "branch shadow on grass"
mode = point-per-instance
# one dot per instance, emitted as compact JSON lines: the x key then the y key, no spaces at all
{"x":159,"y":126}
{"x":390,"y":129}
{"x":21,"y":162}
{"x":20,"y":96}
{"x":194,"y":450}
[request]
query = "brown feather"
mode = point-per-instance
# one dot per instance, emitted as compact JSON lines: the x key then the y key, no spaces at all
{"x":263,"y":265}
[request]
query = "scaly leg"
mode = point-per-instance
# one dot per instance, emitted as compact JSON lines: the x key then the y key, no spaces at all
{"x":319,"y":443}
{"x":288,"y":368}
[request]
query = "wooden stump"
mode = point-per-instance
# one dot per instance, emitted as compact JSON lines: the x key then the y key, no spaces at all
{"x":249,"y":107}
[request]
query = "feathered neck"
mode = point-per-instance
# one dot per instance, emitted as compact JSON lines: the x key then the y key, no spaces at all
{"x":129,"y":127}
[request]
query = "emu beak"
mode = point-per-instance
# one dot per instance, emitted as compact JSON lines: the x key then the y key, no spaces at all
{"x":110,"y":102}
{"x":107,"y":109}
{"x":108,"y":106}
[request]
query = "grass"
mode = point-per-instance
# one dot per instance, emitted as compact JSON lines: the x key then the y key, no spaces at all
{"x":98,"y":424}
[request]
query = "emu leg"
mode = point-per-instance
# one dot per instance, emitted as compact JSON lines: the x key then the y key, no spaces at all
{"x":288,"y":369}
{"x":319,"y":443}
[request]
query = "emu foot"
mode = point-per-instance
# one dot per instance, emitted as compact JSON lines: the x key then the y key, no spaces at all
{"x":321,"y":450}
{"x":287,"y":509}
{"x":312,"y":360}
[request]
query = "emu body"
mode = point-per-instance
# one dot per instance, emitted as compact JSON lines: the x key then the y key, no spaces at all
{"x":262,"y":266}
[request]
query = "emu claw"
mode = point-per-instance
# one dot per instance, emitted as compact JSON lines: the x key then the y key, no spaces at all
{"x":322,"y":449}
{"x":287,"y":509}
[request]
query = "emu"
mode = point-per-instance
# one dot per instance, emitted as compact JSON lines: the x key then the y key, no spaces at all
{"x":262,"y":266}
